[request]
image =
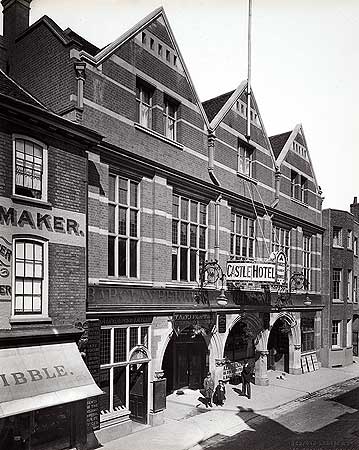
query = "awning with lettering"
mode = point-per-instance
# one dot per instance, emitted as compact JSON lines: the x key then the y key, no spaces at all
{"x":37,"y":377}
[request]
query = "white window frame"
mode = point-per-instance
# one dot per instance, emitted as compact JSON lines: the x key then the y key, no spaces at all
{"x":44,"y":180}
{"x":45,"y":280}
{"x":355,"y":289}
{"x":238,"y":231}
{"x":337,"y":237}
{"x":336,"y":329}
{"x":124,"y":363}
{"x":340,"y":281}
{"x":349,"y":339}
{"x":142,"y":104}
{"x":355,"y":246}
{"x":350,"y":285}
{"x":350,"y":240}
{"x":307,"y":258}
{"x":168,"y":119}
{"x":185,"y":219}
{"x":116,"y":235}
{"x":244,"y":160}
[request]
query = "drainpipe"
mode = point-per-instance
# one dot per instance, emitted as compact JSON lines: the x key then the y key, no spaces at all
{"x":276,"y":187}
{"x":211,"y":141}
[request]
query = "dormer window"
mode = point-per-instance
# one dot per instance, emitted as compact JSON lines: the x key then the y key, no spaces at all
{"x":245,"y":156}
{"x":30,"y":168}
{"x":160,"y":50}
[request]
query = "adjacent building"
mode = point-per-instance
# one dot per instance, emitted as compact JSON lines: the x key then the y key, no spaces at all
{"x":175,"y":183}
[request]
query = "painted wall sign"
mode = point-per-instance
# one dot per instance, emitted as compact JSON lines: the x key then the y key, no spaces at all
{"x":5,"y":269}
{"x":181,"y":321}
{"x":57,"y":225}
{"x":247,"y":271}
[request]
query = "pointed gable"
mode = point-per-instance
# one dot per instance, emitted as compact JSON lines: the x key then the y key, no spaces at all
{"x":214,"y":105}
{"x":278,"y":141}
{"x":153,"y":35}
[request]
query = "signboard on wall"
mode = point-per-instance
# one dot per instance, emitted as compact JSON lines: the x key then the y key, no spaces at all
{"x":263,"y":272}
{"x":5,"y":268}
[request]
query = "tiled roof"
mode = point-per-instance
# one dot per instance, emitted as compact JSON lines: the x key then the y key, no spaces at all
{"x":11,"y":89}
{"x":278,"y":142}
{"x":86,"y":45}
{"x":213,"y":105}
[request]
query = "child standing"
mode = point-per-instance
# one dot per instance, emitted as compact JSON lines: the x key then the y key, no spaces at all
{"x":219,"y":394}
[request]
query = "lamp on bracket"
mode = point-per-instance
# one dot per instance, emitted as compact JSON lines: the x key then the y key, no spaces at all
{"x":210,"y":273}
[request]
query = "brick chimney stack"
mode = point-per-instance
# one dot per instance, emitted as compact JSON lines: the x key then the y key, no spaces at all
{"x":354,"y":209}
{"x":16,"y":18}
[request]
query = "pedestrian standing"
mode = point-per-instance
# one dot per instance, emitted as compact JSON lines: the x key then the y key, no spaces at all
{"x":219,"y":394}
{"x":208,"y":385}
{"x":246,"y":379}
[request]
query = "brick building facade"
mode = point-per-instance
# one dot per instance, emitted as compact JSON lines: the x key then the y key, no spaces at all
{"x":43,"y":279}
{"x":174,"y":183}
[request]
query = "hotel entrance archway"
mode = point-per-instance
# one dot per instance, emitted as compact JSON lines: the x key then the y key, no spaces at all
{"x":185,"y":361}
{"x":240,"y":343}
{"x":278,"y":346}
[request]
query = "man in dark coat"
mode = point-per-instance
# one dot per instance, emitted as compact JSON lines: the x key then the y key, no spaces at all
{"x":246,"y":379}
{"x":208,"y":385}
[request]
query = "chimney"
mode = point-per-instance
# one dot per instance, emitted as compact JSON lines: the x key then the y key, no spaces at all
{"x":16,"y":17}
{"x":354,"y":209}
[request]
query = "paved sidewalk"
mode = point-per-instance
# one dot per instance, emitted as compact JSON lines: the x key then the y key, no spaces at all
{"x":188,"y":421}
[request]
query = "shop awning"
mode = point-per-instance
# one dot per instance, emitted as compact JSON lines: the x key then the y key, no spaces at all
{"x":41,"y":376}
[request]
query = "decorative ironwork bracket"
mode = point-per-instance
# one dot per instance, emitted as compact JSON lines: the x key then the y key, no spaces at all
{"x":297,"y":282}
{"x":210,"y":273}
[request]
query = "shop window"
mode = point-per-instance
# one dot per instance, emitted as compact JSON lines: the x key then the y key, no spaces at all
{"x":307,"y":257}
{"x":337,"y":237}
{"x":337,"y":281}
{"x":30,"y":168}
{"x":170,"y":119}
{"x":115,"y":348}
{"x":281,"y":241}
{"x":242,"y":236}
{"x":144,"y":104}
{"x":30,"y":267}
{"x":245,"y":156}
{"x":307,"y":333}
{"x":336,"y":330}
{"x":189,"y":238}
{"x":123,"y":226}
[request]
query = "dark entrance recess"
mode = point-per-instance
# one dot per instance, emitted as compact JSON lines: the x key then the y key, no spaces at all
{"x":185,"y":361}
{"x":138,"y":392}
{"x":355,"y":331}
{"x":278,"y":346}
{"x":240,"y":343}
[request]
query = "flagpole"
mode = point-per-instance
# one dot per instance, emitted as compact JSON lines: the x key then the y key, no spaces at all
{"x":249,"y":70}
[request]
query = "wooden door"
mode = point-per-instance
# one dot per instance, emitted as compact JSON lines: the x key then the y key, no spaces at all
{"x":138,"y":392}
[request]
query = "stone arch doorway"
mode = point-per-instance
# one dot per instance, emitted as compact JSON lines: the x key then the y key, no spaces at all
{"x":278,"y":346}
{"x":186,"y":360}
{"x":240,"y":343}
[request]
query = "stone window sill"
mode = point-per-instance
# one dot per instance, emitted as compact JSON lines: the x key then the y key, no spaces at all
{"x":158,"y":135}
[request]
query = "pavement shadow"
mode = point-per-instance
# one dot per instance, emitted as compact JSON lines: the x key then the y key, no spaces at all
{"x":238,"y":391}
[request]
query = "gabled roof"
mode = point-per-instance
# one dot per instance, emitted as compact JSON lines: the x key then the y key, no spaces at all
{"x":278,"y":141}
{"x":213,"y":105}
{"x":11,"y":89}
{"x":287,"y":146}
{"x":107,"y":51}
{"x":227,"y":106}
{"x":86,"y":45}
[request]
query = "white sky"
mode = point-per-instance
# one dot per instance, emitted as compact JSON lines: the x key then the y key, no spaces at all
{"x":305,"y":64}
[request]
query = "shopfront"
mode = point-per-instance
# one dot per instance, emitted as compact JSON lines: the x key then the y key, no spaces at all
{"x":43,"y":392}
